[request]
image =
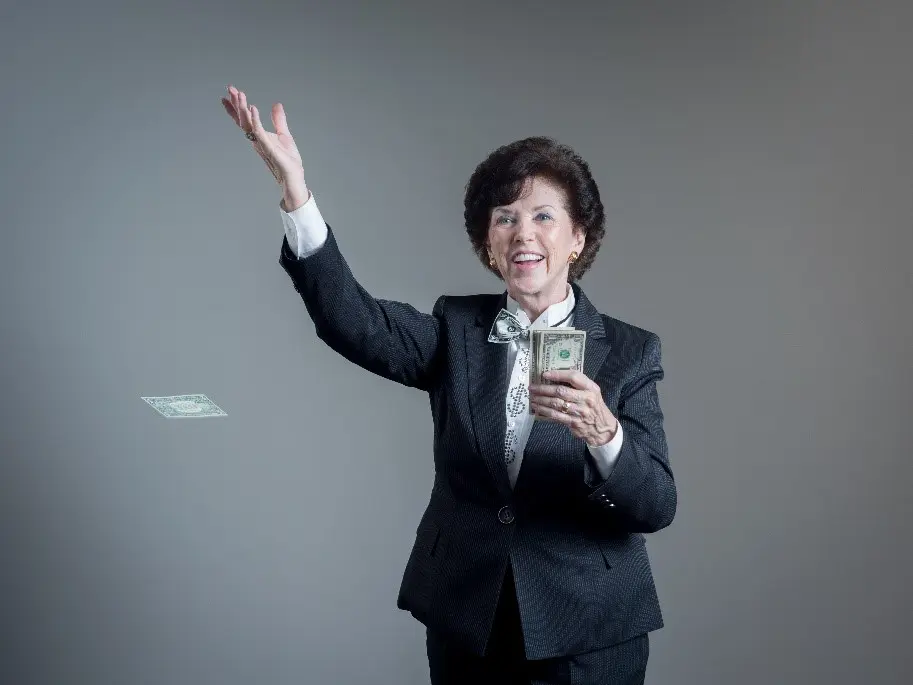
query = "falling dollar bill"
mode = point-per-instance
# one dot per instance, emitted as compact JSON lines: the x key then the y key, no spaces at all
{"x":185,"y":406}
{"x":554,"y":349}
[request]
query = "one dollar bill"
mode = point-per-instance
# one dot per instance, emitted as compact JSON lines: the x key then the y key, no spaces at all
{"x":185,"y":406}
{"x":554,"y":349}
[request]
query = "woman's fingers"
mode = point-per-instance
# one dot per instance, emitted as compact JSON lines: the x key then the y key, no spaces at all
{"x":277,"y":150}
{"x":237,"y":109}
{"x":255,"y":124}
{"x":263,"y":141}
{"x":239,"y":102}
{"x":244,"y":112}
{"x":235,"y":96}
{"x":280,"y":123}
{"x":247,"y":116}
{"x":230,"y":108}
{"x":571,"y":377}
{"x":268,"y":147}
{"x":562,"y":392}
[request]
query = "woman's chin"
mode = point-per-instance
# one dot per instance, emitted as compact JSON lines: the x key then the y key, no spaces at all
{"x":526,"y":285}
{"x":535,"y":285}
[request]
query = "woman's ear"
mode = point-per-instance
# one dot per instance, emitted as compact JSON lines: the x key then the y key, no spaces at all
{"x":579,"y":240}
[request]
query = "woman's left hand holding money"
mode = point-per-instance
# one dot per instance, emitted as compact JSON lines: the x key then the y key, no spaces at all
{"x":575,"y":401}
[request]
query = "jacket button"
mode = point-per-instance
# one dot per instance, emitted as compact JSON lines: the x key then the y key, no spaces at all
{"x":505,"y":515}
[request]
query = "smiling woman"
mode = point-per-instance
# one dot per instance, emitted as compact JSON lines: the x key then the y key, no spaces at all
{"x":535,"y":190}
{"x":532,"y":243}
{"x":542,"y":578}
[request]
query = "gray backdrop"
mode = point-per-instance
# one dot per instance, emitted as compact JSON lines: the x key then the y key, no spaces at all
{"x":756,"y":164}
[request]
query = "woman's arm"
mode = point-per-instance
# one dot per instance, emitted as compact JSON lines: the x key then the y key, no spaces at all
{"x":640,"y":492}
{"x":391,"y":339}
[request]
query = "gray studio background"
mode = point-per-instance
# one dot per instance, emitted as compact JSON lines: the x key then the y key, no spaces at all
{"x":755,"y":160}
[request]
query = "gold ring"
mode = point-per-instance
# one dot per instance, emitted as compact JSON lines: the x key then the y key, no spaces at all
{"x":566,"y":406}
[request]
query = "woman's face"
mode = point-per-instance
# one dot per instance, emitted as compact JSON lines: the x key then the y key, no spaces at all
{"x":530,"y":241}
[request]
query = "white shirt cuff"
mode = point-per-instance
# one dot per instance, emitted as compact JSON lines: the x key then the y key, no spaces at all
{"x":305,"y":229}
{"x":605,"y":456}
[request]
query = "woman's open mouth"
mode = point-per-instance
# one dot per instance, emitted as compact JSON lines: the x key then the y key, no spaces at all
{"x":527,"y":261}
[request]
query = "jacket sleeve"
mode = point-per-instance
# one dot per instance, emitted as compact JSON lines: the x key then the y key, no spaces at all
{"x":640,"y":493}
{"x":390,"y":339}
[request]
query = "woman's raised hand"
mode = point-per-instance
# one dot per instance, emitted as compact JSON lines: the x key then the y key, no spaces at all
{"x":277,"y":150}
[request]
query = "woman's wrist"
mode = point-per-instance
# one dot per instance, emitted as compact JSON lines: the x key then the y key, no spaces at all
{"x":294,"y":196}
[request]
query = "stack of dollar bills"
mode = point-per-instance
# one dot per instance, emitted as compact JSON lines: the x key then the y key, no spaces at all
{"x":554,"y":349}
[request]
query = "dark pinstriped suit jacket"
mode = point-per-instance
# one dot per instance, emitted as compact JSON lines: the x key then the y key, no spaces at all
{"x":579,"y":560}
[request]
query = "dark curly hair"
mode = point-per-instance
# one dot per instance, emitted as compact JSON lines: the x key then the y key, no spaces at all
{"x":502,"y":177}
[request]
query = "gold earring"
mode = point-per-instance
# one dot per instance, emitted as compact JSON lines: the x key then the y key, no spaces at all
{"x":491,"y":260}
{"x":572,"y":258}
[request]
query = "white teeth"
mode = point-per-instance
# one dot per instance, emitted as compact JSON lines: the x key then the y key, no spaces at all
{"x":527,"y":258}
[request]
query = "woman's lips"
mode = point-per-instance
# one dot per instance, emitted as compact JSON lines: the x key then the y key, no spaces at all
{"x":528,"y":266}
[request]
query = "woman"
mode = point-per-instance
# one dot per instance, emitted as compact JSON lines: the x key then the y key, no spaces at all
{"x":537,"y":574}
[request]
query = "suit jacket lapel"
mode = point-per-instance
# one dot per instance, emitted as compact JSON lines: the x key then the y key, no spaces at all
{"x":551,"y":438}
{"x":487,"y":367}
{"x":587,"y":318}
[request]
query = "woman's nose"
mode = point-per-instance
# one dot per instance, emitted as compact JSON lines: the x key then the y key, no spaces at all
{"x":525,"y":229}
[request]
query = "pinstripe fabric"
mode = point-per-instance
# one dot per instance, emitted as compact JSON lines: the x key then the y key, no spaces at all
{"x":576,"y":545}
{"x":505,"y":662}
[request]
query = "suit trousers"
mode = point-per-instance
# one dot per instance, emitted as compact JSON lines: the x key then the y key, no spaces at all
{"x":505,"y":662}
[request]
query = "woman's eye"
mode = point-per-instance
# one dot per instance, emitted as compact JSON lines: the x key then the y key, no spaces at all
{"x":501,"y":219}
{"x":543,"y":216}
